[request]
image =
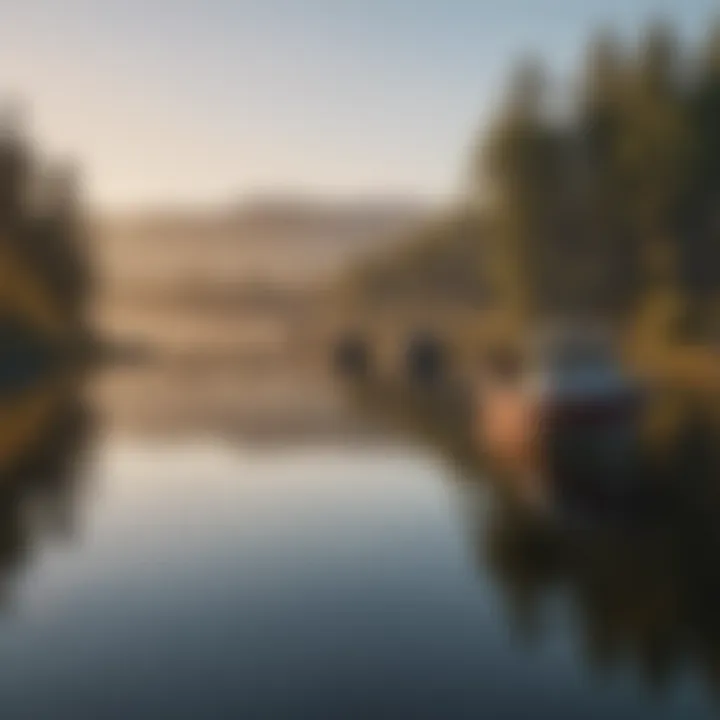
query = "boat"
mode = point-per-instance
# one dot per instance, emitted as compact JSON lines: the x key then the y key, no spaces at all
{"x":566,"y":413}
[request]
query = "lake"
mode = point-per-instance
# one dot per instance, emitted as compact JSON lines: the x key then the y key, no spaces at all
{"x":335,"y":575}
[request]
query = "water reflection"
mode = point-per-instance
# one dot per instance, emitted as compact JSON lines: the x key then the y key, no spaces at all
{"x":639,"y":584}
{"x":40,"y":477}
{"x":647,"y":597}
{"x":273,"y":554}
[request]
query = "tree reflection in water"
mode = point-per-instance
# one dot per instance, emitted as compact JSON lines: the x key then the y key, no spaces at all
{"x":41,"y":484}
{"x":640,"y":587}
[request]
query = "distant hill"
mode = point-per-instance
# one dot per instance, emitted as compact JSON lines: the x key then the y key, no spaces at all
{"x":283,"y":237}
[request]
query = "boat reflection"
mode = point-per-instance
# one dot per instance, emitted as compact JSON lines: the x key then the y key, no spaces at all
{"x":638,"y":583}
{"x":646,"y":596}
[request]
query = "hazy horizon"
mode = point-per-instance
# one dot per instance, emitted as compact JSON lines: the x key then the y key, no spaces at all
{"x":187,"y":102}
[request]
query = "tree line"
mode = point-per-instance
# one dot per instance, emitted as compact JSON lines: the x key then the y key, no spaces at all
{"x":594,"y":195}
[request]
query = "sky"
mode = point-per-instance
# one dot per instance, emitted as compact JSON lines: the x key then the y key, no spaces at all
{"x":177,"y":101}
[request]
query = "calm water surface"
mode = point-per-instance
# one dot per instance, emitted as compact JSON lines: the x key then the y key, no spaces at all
{"x":331,"y":579}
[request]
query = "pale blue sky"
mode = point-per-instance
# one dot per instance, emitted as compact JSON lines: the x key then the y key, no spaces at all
{"x":179,"y":100}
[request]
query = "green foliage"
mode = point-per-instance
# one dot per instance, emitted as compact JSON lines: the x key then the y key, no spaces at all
{"x":614,"y":199}
{"x":441,"y":263}
{"x":597,"y":195}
